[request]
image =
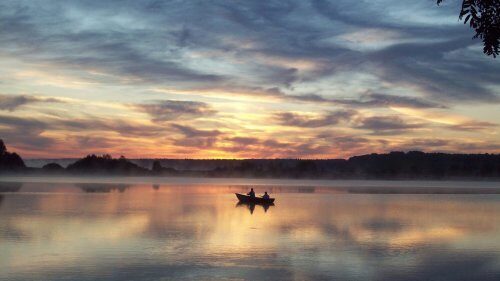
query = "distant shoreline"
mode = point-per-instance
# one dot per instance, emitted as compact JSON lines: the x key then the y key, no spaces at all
{"x":396,"y":165}
{"x":199,"y":175}
{"x":243,"y":181}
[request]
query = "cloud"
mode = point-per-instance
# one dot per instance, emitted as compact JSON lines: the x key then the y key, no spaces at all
{"x":447,"y":145}
{"x":375,"y":100}
{"x":13,"y":102}
{"x":387,"y":125}
{"x":174,"y":44}
{"x":253,"y":147}
{"x":193,"y":132}
{"x":344,"y":141}
{"x":268,"y":53}
{"x":422,"y":143}
{"x":426,"y":67}
{"x":275,"y":144}
{"x":24,"y":132}
{"x":122,"y":127}
{"x":167,"y":110}
{"x":308,"y":121}
{"x":473,"y":126}
{"x":119,"y":53}
{"x":244,"y":141}
{"x":31,"y":133}
{"x":369,"y":100}
{"x":94,"y":143}
{"x":196,"y":138}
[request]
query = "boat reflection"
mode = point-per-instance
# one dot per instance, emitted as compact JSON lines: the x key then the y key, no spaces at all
{"x":251,"y":206}
{"x":102,"y":188}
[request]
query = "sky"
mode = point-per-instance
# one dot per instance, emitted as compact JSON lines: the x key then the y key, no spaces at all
{"x":243,"y":79}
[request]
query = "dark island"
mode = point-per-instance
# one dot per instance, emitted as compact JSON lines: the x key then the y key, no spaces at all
{"x":10,"y":161}
{"x":413,"y":165}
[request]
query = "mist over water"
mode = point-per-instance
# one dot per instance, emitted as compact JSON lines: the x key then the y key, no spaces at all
{"x":157,"y":231}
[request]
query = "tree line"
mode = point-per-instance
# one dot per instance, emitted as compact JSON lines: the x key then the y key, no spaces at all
{"x":393,"y":165}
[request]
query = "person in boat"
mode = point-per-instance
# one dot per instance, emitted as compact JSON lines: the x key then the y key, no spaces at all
{"x":251,"y":193}
{"x":265,"y":196}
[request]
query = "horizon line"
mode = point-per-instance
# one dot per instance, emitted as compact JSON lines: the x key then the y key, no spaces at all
{"x":242,"y":159}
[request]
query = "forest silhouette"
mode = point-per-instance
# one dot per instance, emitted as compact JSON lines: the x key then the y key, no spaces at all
{"x":393,"y":165}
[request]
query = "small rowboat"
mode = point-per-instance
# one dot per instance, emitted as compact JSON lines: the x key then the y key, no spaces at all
{"x":255,"y":200}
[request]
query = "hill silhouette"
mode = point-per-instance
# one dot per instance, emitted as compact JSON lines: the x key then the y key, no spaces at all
{"x":53,"y":168}
{"x":105,"y":164}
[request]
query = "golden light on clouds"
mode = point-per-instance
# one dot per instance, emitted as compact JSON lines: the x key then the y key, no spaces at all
{"x":189,"y":89}
{"x":433,"y":115}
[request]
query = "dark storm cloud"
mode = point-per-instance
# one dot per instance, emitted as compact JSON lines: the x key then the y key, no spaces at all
{"x":166,"y":110}
{"x":13,"y":102}
{"x":387,"y":125}
{"x":306,"y":121}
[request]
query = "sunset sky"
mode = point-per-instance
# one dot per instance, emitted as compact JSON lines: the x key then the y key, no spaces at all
{"x":243,"y":79}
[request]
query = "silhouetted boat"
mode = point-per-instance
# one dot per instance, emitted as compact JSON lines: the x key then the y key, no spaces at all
{"x":256,"y":200}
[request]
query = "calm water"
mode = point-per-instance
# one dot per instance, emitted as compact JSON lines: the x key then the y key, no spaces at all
{"x":113,"y":231}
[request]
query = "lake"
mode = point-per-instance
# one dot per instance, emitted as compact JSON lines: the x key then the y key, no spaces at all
{"x":193,"y":229}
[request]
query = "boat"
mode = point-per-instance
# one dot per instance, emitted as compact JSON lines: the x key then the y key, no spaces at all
{"x":255,"y":200}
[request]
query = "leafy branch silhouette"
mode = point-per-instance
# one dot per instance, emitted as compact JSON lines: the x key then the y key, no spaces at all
{"x":484,"y":17}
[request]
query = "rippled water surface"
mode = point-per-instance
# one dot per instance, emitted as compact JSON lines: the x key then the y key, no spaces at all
{"x":112,"y":231}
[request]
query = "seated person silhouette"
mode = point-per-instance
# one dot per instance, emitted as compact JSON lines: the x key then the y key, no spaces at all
{"x":251,"y":193}
{"x":265,"y":196}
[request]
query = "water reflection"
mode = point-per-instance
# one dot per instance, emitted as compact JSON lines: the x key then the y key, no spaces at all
{"x":102,"y":187}
{"x":195,"y":232}
{"x":10,"y":186}
{"x":251,"y":206}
